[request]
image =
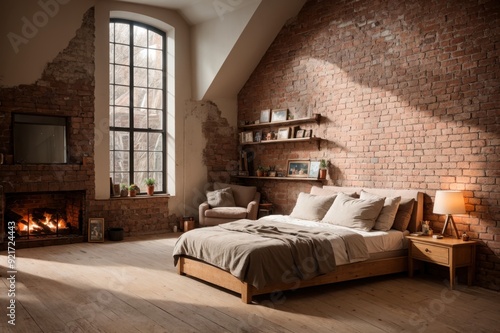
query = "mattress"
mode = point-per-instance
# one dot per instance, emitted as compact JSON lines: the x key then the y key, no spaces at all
{"x":379,"y":243}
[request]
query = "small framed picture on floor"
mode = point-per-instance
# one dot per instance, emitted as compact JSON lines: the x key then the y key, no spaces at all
{"x":96,"y":230}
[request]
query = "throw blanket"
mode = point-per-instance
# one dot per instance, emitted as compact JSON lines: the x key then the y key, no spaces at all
{"x":262,"y":253}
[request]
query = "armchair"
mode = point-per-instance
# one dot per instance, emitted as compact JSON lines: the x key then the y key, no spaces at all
{"x":246,"y":200}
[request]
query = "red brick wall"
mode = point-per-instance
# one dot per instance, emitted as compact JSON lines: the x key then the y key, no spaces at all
{"x":410,"y":92}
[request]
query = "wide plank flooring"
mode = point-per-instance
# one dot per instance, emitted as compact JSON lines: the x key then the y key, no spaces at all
{"x":132,"y":286}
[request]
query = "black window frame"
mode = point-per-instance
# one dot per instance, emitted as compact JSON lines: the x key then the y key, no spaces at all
{"x":131,"y":130}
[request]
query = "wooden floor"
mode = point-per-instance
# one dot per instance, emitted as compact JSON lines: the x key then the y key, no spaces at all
{"x":132,"y":286}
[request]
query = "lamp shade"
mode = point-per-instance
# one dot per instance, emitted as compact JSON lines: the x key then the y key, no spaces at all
{"x":449,"y":202}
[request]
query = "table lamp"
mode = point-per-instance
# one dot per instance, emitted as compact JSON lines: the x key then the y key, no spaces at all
{"x":449,"y":202}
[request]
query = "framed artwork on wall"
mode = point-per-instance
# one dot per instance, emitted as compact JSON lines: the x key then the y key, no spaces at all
{"x":298,"y":168}
{"x":96,"y":230}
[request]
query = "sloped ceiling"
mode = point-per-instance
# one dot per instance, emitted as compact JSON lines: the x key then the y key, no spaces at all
{"x":229,"y":37}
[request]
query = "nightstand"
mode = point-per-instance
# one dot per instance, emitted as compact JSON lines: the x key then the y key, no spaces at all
{"x":449,"y":252}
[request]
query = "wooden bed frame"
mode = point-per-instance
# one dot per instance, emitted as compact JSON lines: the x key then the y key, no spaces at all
{"x":224,"y":279}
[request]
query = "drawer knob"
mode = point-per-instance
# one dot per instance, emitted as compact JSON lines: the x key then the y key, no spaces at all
{"x":427,"y":250}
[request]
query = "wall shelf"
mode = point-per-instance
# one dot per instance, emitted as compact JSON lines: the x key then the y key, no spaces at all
{"x":280,"y":178}
{"x":315,"y":118}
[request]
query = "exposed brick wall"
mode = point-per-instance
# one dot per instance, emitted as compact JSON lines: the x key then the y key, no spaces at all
{"x":221,"y":149}
{"x":411,"y":95}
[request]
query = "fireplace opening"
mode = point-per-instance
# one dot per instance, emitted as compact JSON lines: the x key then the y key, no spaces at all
{"x":45,"y":215}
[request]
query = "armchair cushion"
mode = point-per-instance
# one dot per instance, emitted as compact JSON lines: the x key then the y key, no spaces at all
{"x":227,"y":212}
{"x":242,"y":194}
{"x":221,"y":198}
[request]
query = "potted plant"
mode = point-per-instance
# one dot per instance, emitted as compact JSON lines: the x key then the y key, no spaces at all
{"x":123,"y":190}
{"x":322,"y":169}
{"x":260,"y":171}
{"x":133,"y":190}
{"x":150,"y":183}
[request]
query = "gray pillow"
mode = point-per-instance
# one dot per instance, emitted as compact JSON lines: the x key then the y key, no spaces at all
{"x":354,"y":213}
{"x":385,"y":219}
{"x":221,"y":198}
{"x":312,"y":207}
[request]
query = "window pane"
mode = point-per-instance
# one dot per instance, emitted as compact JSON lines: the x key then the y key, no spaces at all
{"x":155,"y":40}
{"x":122,"y":75}
{"x":122,"y":161}
{"x":140,"y":97}
{"x":111,"y":74}
{"x":155,"y":98}
{"x":111,"y":32}
{"x":140,"y":57}
{"x":122,"y":55}
{"x":155,"y":79}
{"x":122,"y":33}
{"x":111,"y":94}
{"x":122,"y":140}
{"x":140,"y":36}
{"x":155,"y":161}
{"x":140,"y":77}
{"x":140,"y":162}
{"x":155,"y":119}
{"x":122,"y":96}
{"x":155,"y":59}
{"x":121,"y":117}
{"x":139,"y":178}
{"x":140,"y":118}
{"x":140,"y":141}
{"x":155,"y":142}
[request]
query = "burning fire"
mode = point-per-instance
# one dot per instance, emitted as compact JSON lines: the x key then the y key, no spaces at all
{"x":40,"y":225}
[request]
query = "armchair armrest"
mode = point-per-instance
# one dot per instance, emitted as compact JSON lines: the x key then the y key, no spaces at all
{"x":201,"y":212}
{"x":253,"y":207}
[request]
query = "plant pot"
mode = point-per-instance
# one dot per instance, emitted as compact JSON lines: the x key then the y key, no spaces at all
{"x":259,"y":173}
{"x":123,"y":193}
{"x":150,"y":189}
{"x":322,"y":174}
{"x":115,"y":234}
{"x":132,"y":193}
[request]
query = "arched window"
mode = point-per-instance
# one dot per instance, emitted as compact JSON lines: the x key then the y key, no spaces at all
{"x":137,"y":103}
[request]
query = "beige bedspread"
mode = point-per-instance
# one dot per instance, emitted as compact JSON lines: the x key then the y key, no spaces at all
{"x":262,"y":253}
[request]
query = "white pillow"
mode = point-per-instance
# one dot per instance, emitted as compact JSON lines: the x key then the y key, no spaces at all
{"x":385,"y":220}
{"x":221,"y":198}
{"x":354,"y":213}
{"x":312,"y":207}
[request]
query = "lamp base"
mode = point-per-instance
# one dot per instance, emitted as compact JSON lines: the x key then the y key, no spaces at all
{"x":449,"y":218}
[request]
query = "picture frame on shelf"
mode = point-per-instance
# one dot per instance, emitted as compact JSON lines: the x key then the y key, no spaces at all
{"x":257,"y":136}
{"x":314,"y":169}
{"x":96,"y":230}
{"x":283,"y":133}
{"x":298,"y":168}
{"x":300,"y":133}
{"x":279,"y":115}
{"x":265,"y":116}
{"x":307,"y":133}
{"x":248,"y":136}
{"x":268,"y":135}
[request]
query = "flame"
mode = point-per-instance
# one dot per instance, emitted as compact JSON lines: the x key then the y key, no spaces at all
{"x":47,"y":221}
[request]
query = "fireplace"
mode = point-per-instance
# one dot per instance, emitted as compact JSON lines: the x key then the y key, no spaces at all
{"x":45,"y":215}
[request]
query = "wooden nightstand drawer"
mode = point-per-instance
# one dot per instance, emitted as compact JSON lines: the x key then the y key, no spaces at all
{"x":428,"y":252}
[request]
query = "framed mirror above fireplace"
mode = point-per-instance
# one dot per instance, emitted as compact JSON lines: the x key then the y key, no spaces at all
{"x":40,"y":139}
